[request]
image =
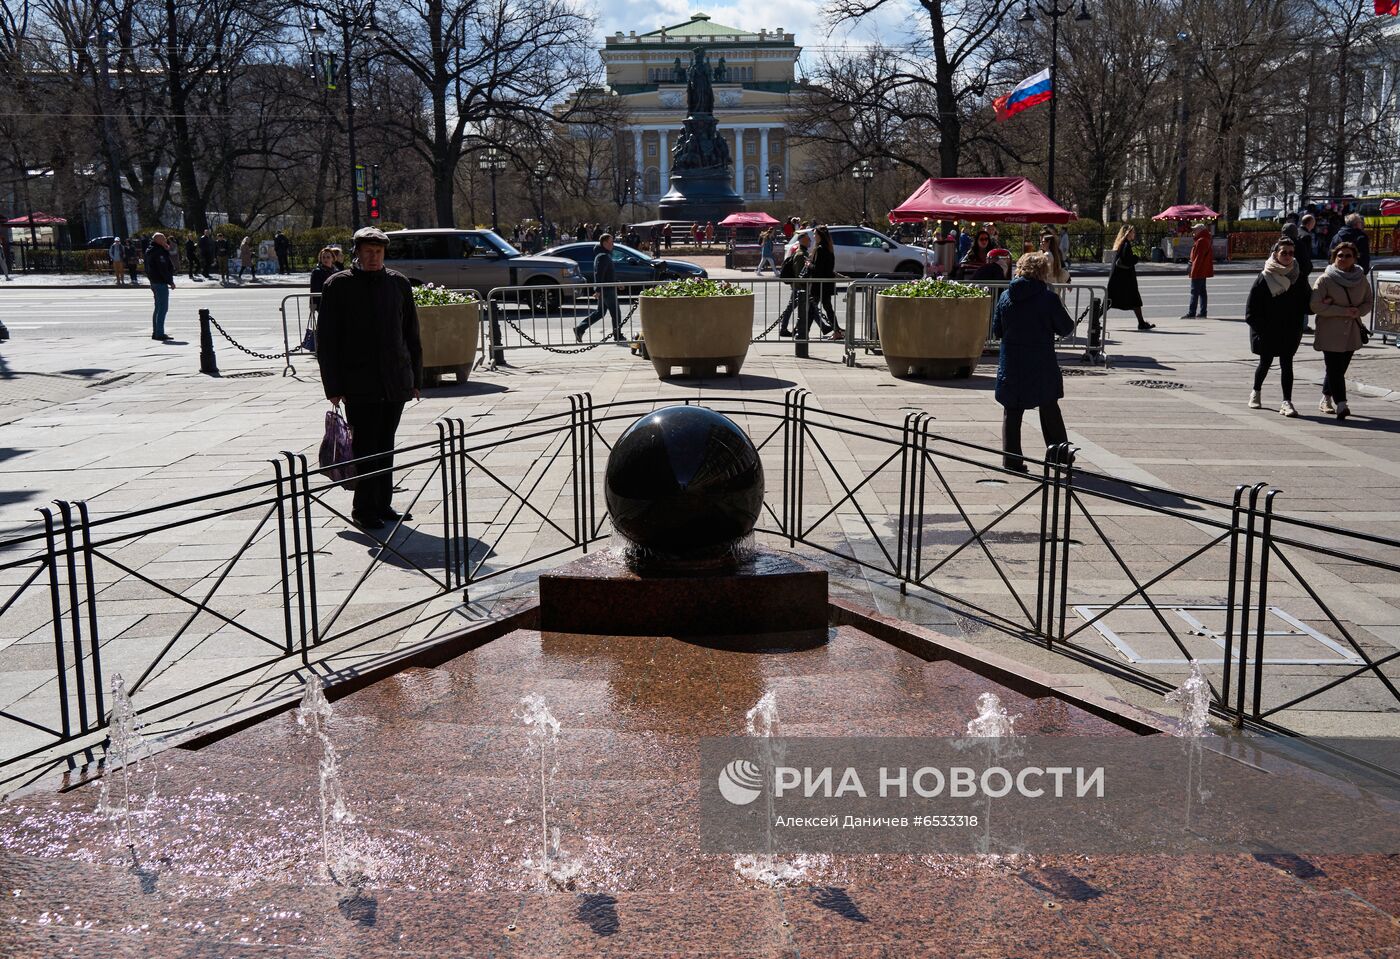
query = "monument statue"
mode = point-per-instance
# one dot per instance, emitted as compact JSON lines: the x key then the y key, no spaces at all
{"x":702,"y":179}
{"x":678,"y":71}
{"x":721,"y":72}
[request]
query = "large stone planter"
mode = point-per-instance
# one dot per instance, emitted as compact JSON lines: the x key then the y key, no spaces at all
{"x":698,"y":334}
{"x":932,"y":337}
{"x":449,"y":335}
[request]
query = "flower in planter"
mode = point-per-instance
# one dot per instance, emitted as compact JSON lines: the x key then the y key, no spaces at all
{"x":930,"y":288}
{"x":697,"y":287}
{"x":431,"y":295}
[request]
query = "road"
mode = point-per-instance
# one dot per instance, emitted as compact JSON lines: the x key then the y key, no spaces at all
{"x":85,"y":319}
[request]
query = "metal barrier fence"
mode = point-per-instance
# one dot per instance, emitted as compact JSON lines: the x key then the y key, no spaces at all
{"x":226,"y":598}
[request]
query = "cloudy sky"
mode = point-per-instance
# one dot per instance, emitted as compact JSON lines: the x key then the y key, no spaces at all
{"x":802,"y":17}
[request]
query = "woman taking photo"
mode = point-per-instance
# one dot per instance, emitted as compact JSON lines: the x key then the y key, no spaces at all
{"x":1276,"y":312}
{"x":1122,"y":280}
{"x":1027,"y":318}
{"x":822,"y":266}
{"x":1340,"y":299}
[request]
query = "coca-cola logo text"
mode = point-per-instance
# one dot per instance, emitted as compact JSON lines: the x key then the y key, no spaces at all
{"x":986,"y":202}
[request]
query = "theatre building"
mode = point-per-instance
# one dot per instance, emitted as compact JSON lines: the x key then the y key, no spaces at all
{"x":755,"y":92}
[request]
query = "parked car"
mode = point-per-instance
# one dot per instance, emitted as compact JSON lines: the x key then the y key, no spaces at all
{"x":861,"y":251}
{"x":100,"y":243}
{"x":473,"y":260}
{"x":631,"y":265}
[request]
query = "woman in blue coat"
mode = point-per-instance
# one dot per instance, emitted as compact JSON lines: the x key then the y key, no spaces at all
{"x":1027,"y":318}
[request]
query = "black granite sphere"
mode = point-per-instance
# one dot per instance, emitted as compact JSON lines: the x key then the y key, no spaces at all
{"x":684,"y":481}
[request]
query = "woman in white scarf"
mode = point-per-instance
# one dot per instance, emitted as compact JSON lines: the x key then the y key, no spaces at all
{"x":1340,"y":299}
{"x":1276,"y":312}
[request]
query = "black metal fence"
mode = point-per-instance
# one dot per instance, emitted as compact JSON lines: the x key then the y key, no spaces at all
{"x":216,"y":601}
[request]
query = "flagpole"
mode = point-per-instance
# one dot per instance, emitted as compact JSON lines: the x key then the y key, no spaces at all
{"x":1054,"y":12}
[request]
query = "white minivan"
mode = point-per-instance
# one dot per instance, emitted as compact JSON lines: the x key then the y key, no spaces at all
{"x":861,"y":251}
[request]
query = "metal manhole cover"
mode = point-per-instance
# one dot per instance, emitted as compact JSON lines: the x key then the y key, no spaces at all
{"x":1076,"y":371}
{"x":251,"y":374}
{"x":1157,"y":384}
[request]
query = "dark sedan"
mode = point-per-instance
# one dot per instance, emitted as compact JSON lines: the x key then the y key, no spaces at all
{"x":630,"y":265}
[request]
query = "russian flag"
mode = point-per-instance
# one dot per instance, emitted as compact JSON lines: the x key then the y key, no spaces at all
{"x":1027,"y":94}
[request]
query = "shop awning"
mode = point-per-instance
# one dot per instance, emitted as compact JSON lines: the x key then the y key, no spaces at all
{"x":1188,"y":211}
{"x":756,"y":218}
{"x":1002,"y":199}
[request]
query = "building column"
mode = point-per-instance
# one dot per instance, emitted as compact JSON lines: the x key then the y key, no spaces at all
{"x":638,"y":167}
{"x":763,"y":162}
{"x":663,"y":160}
{"x":739,"y":160}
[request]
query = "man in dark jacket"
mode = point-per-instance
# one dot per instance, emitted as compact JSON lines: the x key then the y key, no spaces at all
{"x":603,"y":272}
{"x":283,"y":247}
{"x":371,"y":357}
{"x":1355,"y":232}
{"x":224,"y":251}
{"x":160,"y":271}
{"x":191,"y":257}
{"x":206,"y":253}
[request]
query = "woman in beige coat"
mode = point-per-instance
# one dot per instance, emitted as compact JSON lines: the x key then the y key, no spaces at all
{"x":1340,"y":299}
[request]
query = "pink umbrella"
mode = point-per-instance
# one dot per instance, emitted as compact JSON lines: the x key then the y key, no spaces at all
{"x":1004,"y":199}
{"x":755,"y":218}
{"x":37,"y":219}
{"x":1187,"y":211}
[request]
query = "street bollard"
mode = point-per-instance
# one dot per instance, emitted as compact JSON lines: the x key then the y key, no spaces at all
{"x":207,"y":363}
{"x":799,"y":337}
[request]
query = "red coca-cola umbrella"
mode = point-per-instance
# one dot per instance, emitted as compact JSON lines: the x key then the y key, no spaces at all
{"x":1390,"y":208}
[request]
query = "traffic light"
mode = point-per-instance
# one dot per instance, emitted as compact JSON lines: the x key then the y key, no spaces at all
{"x":374,"y":208}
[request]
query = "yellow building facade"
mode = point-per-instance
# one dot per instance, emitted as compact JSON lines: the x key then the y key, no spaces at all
{"x":754,"y":88}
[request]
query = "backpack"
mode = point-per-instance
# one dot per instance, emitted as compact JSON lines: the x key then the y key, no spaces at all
{"x":792,"y":266}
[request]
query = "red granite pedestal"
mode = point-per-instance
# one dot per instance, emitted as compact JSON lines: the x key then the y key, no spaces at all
{"x":770,"y":592}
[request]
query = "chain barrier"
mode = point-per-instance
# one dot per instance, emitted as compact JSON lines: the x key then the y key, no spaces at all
{"x":285,"y":354}
{"x":564,"y":350}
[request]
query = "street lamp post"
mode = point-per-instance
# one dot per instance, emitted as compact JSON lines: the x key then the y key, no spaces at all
{"x":1054,"y":12}
{"x":369,"y":29}
{"x":541,"y":175}
{"x":493,"y":162}
{"x":864,"y":171}
{"x":775,"y":183}
{"x":1182,"y":38}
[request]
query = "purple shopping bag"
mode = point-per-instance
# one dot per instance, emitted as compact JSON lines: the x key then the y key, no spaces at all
{"x":337,"y":450}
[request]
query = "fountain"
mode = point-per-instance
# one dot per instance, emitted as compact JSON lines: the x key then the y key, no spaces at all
{"x":1192,"y":699}
{"x":127,"y":751}
{"x":314,"y":715}
{"x":557,"y":869}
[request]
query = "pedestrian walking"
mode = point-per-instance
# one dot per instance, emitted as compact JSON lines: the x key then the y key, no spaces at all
{"x":1275,"y":312}
{"x":283,"y":248}
{"x":1355,"y":233}
{"x":1064,"y":245}
{"x":116,"y":254}
{"x":666,"y":235}
{"x":765,"y":254}
{"x":790,"y":228}
{"x":1027,"y":318}
{"x":160,"y":271}
{"x":224,"y":249}
{"x":1300,"y":232}
{"x":246,"y":259}
{"x":371,"y":359}
{"x":603,"y":272}
{"x":132,"y":252}
{"x":5,"y":258}
{"x":206,"y":253}
{"x":710,"y":234}
{"x":1123,"y":293}
{"x":1341,"y":297}
{"x":191,"y":256}
{"x":1202,"y":268}
{"x":797,"y":292}
{"x":822,"y":266}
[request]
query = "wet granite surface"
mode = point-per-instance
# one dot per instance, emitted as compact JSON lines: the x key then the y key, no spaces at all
{"x":228,"y":860}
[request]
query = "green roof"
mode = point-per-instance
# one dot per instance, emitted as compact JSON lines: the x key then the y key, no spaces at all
{"x":699,"y":25}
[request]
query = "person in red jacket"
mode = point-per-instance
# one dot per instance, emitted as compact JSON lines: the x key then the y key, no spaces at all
{"x":1202,"y":268}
